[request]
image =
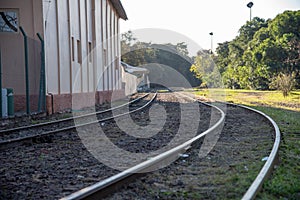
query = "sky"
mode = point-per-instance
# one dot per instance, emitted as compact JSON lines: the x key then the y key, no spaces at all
{"x":191,"y":21}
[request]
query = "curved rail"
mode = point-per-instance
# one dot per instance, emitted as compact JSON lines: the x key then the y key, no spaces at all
{"x":93,"y":191}
{"x":268,"y":166}
{"x":70,"y":118}
{"x":265,"y":171}
{"x":75,"y":126}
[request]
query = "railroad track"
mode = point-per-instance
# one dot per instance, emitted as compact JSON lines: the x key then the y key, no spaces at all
{"x":40,"y":130}
{"x":101,"y":188}
{"x":271,"y":159}
{"x":58,"y":168}
{"x":182,"y":152}
{"x":64,"y":166}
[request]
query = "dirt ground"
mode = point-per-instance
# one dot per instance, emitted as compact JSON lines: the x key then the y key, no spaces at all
{"x":63,"y":165}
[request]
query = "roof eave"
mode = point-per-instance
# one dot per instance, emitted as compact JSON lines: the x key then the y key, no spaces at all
{"x":119,"y":8}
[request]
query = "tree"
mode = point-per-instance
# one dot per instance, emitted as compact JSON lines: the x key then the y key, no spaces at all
{"x":247,"y":31}
{"x":9,"y":23}
{"x":138,"y":53}
{"x":287,"y":22}
{"x":222,"y":60}
{"x":181,"y":47}
{"x":277,"y":46}
{"x":135,"y":52}
{"x":205,"y":69}
{"x":262,"y":51}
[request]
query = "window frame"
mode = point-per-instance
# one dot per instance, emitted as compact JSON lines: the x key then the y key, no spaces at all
{"x":16,"y":11}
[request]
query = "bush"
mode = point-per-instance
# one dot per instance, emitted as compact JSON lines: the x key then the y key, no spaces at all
{"x":284,"y":82}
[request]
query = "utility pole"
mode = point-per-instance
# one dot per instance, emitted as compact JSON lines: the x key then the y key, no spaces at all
{"x":249,"y":5}
{"x":211,"y":40}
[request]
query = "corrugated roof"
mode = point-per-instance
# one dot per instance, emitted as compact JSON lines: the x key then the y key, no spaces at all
{"x":119,"y":8}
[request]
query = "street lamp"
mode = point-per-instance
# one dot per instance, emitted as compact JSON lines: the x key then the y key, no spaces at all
{"x":249,"y":5}
{"x":211,"y":40}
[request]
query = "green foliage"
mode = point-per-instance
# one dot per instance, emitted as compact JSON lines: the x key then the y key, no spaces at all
{"x":222,"y":60}
{"x":261,"y":52}
{"x":248,"y":30}
{"x":205,"y":69}
{"x":182,"y":48}
{"x":284,"y":82}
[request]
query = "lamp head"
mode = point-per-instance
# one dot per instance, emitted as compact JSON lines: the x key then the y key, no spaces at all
{"x":250,"y":4}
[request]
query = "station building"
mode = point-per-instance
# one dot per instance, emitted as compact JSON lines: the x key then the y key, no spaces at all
{"x":80,"y":65}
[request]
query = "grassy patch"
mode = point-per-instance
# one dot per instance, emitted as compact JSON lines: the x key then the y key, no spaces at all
{"x":162,"y":91}
{"x":284,"y":183}
{"x":273,"y":99}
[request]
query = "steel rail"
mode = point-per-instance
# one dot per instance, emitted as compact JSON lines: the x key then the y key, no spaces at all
{"x":268,"y":166}
{"x":93,"y":190}
{"x":251,"y":193}
{"x":70,"y":118}
{"x":75,"y":126}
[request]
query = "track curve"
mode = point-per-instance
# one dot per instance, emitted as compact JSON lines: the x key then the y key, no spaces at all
{"x":271,"y":158}
{"x":99,"y":189}
{"x":254,"y":188}
{"x":178,"y":154}
{"x":268,"y":167}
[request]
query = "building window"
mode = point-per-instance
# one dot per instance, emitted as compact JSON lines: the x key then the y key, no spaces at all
{"x":79,"y":51}
{"x":90,"y":52}
{"x":72,"y":49}
{"x":105,"y":57}
{"x":117,"y":62}
{"x":9,"y":21}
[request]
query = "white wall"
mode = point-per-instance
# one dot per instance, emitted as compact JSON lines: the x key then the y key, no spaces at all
{"x":64,"y":54}
{"x":97,"y":44}
{"x":70,"y":28}
{"x":105,"y":75}
{"x":51,"y":46}
{"x":90,"y":61}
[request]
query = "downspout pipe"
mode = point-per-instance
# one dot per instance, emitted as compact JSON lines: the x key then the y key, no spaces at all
{"x":26,"y":71}
{"x":42,"y":93}
{"x":0,"y":84}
